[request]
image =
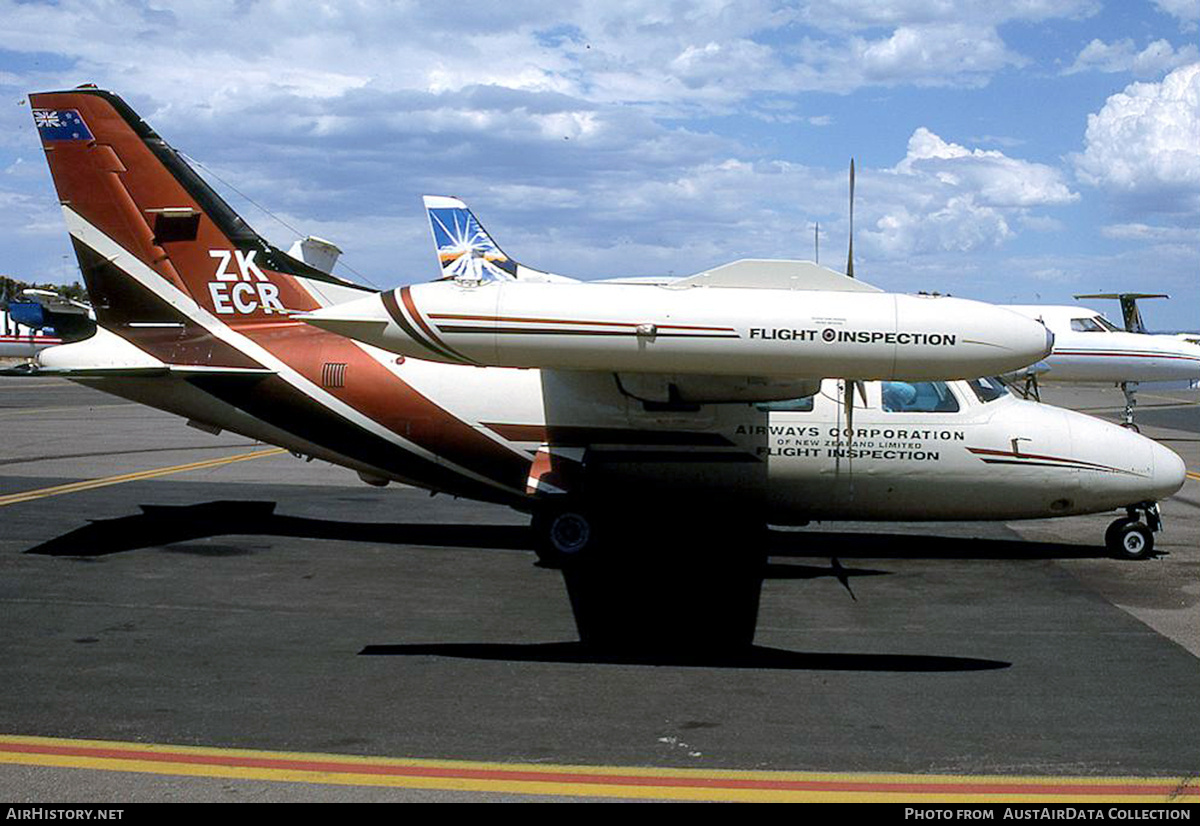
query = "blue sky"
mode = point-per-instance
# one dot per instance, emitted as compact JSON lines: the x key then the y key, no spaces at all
{"x":1015,"y":151}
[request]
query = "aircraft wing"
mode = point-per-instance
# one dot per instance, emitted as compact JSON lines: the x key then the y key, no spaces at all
{"x":772,"y":274}
{"x":55,"y":303}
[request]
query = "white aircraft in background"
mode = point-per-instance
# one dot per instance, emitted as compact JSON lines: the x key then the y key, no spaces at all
{"x":539,"y":398}
{"x":1090,"y":348}
{"x":20,"y":342}
{"x":1132,"y":315}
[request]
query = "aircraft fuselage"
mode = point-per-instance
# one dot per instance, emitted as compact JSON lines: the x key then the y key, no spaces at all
{"x":474,"y":431}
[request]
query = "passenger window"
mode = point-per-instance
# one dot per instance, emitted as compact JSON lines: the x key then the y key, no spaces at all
{"x":802,"y":405}
{"x":918,"y":397}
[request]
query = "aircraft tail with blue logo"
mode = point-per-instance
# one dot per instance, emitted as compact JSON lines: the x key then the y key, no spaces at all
{"x":467,"y":252}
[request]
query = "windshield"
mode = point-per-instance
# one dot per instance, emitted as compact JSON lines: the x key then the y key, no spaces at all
{"x":918,"y":397}
{"x":988,"y":389}
{"x":1095,"y":324}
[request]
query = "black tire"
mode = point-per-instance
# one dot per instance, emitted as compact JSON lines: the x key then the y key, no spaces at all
{"x":1112,"y":538}
{"x":563,"y":535}
{"x":1133,"y":541}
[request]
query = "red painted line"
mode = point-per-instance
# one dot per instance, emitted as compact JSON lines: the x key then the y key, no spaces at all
{"x":1168,"y":788}
{"x":397,"y":315}
{"x":1012,"y":455}
{"x":406,"y":297}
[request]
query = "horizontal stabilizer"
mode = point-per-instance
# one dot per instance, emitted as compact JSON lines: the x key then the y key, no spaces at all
{"x":316,"y":252}
{"x":108,"y":355}
{"x":1129,"y":308}
{"x":136,"y":372}
{"x":1119,"y":296}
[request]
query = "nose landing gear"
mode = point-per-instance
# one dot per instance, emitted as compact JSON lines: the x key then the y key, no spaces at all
{"x":1129,"y":388}
{"x":1129,"y":538}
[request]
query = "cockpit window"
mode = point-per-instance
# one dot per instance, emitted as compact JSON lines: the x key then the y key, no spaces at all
{"x":1086,"y":325}
{"x":918,"y":397}
{"x":988,"y":389}
{"x":1106,"y":324}
{"x":801,"y":405}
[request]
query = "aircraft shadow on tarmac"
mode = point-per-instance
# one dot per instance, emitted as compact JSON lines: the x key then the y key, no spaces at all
{"x":750,"y":657}
{"x":612,"y":631}
{"x":162,"y":525}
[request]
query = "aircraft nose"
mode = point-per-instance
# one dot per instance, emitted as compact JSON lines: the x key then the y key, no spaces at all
{"x":1138,"y":469}
{"x":1169,"y":472}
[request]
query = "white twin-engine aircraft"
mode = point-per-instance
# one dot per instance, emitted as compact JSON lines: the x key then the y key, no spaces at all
{"x":777,"y":389}
{"x":1088,"y":348}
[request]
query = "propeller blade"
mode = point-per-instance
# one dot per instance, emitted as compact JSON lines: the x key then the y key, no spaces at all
{"x":848,"y":404}
{"x":842,"y":576}
{"x":850,"y":256}
{"x":850,"y":387}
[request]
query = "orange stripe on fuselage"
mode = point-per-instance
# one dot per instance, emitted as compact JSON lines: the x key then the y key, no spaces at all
{"x":379,"y":394}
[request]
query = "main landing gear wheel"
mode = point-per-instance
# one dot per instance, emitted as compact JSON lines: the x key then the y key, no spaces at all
{"x":562,"y":535}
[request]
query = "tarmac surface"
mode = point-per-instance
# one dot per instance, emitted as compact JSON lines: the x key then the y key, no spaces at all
{"x":277,"y":605}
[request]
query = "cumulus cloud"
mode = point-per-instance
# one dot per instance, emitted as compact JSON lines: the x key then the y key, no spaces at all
{"x":1143,"y":147}
{"x":995,"y":179}
{"x":1122,"y":56}
{"x":940,"y":55}
{"x":1187,"y":11}
{"x":945,"y":197}
{"x":705,"y":55}
{"x":342,"y":115}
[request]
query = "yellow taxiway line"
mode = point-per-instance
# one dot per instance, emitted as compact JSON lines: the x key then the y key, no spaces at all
{"x":1194,"y":476}
{"x":88,"y":484}
{"x":590,"y":781}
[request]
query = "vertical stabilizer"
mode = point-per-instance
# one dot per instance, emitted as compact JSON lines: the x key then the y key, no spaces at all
{"x":467,"y":252}
{"x":151,"y":236}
